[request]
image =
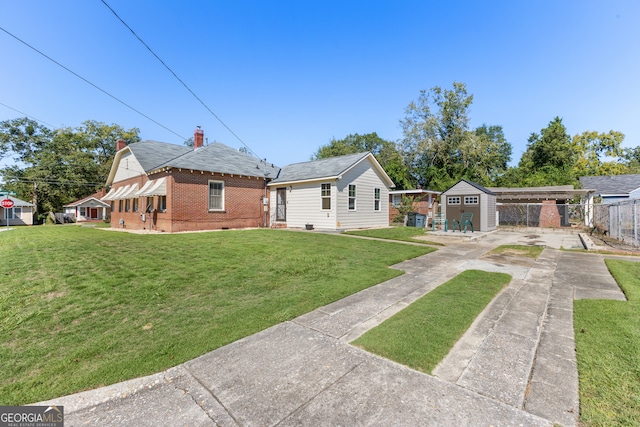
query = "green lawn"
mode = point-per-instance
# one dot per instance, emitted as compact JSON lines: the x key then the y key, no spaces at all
{"x":421,"y":335}
{"x":405,"y":234}
{"x":608,"y":352}
{"x":82,"y":308}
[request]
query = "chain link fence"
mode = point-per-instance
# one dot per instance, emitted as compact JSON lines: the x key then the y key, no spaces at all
{"x":619,"y":220}
{"x":529,"y":214}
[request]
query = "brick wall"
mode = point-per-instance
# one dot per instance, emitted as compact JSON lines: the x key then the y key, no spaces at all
{"x":188,"y":203}
{"x":132,"y":217}
{"x":421,"y":206}
{"x":549,"y":215}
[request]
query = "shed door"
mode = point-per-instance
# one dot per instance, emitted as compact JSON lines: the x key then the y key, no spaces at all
{"x":456,"y":205}
{"x":281,"y":204}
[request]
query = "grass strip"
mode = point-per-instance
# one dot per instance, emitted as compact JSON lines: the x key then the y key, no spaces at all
{"x":608,"y":352}
{"x":403,"y":234}
{"x":528,"y":251}
{"x":421,"y":335}
{"x":82,"y":308}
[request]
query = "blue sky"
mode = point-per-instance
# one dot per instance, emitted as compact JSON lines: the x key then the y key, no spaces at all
{"x":288,"y":76}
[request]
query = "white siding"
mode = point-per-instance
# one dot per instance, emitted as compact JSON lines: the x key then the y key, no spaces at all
{"x":304,"y":205}
{"x":489,"y":219}
{"x":128,"y":167}
{"x":304,"y":202}
{"x":365,"y":177}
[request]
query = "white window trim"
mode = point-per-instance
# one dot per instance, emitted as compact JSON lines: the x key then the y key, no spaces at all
{"x":355,"y":198}
{"x":221,"y":209}
{"x":450,"y":200}
{"x":468,"y":202}
{"x":323,"y":197}
{"x":377,"y":201}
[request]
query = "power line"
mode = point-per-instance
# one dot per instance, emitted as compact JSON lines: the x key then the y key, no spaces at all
{"x":179,"y":79}
{"x":92,"y":84}
{"x":52,"y":181}
{"x":27,"y":115}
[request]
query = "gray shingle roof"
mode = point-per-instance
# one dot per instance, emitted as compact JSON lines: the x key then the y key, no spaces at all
{"x":152,"y":154}
{"x":473,"y":184}
{"x":616,"y":184}
{"x":17,"y":202}
{"x":318,"y":169}
{"x":216,"y":157}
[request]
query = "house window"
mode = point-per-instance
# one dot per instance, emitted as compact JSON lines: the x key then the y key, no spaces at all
{"x":162,"y":203}
{"x":127,"y":205}
{"x":120,"y":205}
{"x":352,"y":197}
{"x":470,"y":200}
{"x":216,"y":195}
{"x":12,"y":213}
{"x":376,"y":199}
{"x":396,"y":200}
{"x":83,"y":211}
{"x":150,"y":205}
{"x":135,"y":204}
{"x":453,"y":200}
{"x":326,"y":196}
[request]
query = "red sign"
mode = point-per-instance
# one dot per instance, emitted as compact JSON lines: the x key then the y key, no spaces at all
{"x":6,"y":203}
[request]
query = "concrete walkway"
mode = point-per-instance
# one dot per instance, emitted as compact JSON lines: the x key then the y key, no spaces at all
{"x":515,"y":365}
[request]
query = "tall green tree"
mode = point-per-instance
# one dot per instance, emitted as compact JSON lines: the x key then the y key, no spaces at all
{"x":55,"y":167}
{"x":548,"y":159}
{"x":598,"y":154}
{"x":386,"y":153}
{"x":439,"y":146}
{"x":631,"y":158}
{"x":485,"y":155}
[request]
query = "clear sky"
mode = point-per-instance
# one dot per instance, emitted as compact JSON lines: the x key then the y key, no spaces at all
{"x":287,"y":76}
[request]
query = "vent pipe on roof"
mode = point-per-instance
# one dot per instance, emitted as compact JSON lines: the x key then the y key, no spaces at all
{"x":198,"y":138}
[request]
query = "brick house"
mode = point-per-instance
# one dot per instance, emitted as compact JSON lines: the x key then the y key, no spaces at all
{"x":173,"y":188}
{"x":424,"y":202}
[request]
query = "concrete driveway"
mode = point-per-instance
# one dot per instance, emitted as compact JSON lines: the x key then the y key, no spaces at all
{"x":515,"y":365}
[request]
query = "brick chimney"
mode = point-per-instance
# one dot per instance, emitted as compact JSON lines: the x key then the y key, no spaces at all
{"x":198,"y":138}
{"x":120,"y":144}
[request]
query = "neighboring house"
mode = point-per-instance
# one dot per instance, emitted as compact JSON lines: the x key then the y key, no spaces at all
{"x":172,"y":188}
{"x":20,"y":214}
{"x":336,"y":193}
{"x":613,"y":188}
{"x":469,"y":197}
{"x":424,"y":202}
{"x":90,"y":208}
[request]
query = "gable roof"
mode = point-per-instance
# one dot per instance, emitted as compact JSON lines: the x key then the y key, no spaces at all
{"x":329,"y":168}
{"x":95,"y":196}
{"x":88,"y":199}
{"x":473,"y":184}
{"x":155,"y":156}
{"x":17,"y":202}
{"x":611,"y":185}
